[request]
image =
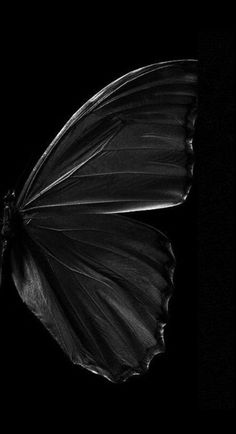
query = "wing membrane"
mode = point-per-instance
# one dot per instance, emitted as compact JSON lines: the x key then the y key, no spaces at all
{"x":101,"y":285}
{"x":128,"y":148}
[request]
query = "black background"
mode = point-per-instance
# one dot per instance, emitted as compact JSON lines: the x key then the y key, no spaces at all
{"x":44,"y":83}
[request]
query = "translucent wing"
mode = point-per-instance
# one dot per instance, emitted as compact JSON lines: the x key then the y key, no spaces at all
{"x":128,"y":148}
{"x":100,"y":284}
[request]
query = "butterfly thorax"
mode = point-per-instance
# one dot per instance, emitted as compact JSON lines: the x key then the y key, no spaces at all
{"x":10,"y":228}
{"x":9,"y":212}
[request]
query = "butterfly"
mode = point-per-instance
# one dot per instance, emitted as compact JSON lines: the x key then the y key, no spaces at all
{"x":99,"y":281}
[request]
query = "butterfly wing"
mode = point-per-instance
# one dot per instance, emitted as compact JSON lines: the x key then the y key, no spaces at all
{"x":129,"y":148}
{"x":100,"y":284}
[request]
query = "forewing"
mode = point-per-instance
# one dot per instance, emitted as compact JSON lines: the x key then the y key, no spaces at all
{"x":101,"y":285}
{"x":129,"y":148}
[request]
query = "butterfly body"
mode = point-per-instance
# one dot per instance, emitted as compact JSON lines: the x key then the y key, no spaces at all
{"x":8,"y":211}
{"x":101,"y":282}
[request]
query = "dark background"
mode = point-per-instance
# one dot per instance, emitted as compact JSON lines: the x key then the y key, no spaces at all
{"x":44,"y":83}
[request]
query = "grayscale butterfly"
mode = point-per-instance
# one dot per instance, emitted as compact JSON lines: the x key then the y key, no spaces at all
{"x":99,"y":281}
